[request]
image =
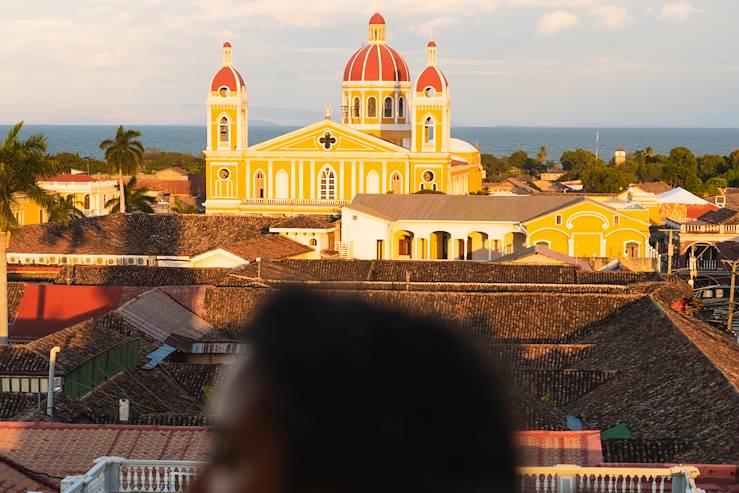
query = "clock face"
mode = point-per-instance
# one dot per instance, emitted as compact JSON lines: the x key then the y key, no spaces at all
{"x":223,"y":91}
{"x":428,"y":176}
{"x":430,"y":92}
{"x":224,"y":174}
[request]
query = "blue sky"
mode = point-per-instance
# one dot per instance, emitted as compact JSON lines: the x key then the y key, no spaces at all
{"x":509,"y":62}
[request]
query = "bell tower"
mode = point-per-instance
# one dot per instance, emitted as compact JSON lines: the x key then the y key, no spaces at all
{"x":431,"y":107}
{"x":227,"y":108}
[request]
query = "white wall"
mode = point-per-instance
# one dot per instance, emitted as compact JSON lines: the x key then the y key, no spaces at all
{"x":363,"y":231}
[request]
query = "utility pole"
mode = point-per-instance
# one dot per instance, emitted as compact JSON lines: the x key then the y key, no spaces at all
{"x":669,"y":248}
{"x":730,"y":311}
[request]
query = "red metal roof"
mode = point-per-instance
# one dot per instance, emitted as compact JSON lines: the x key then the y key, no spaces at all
{"x":71,"y":178}
{"x":377,"y":18}
{"x":228,"y":77}
{"x":227,"y":45}
{"x":376,"y":62}
{"x":48,"y":308}
{"x":431,"y":77}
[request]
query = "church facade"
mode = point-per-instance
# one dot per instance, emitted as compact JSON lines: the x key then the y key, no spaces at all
{"x":394,"y":137}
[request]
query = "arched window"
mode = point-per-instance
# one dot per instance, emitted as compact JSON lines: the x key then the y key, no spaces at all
{"x":355,"y":108}
{"x":86,"y":202}
{"x":401,"y":107}
{"x":327,"y":184}
{"x":259,"y":185}
{"x":428,"y":130}
{"x":373,"y":182}
{"x":371,"y":107}
{"x":223,"y":132}
{"x":313,"y":242}
{"x":631,"y":249}
{"x":395,"y":183}
{"x":281,"y":186}
{"x":387,"y":110}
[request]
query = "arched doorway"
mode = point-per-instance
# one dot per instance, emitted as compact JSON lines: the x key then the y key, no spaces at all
{"x":439,"y":243}
{"x":396,"y":184}
{"x":402,"y":247}
{"x":373,"y":182}
{"x":477,"y":246}
{"x":281,"y":185}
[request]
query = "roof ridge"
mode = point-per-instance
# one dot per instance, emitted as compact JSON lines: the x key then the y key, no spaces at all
{"x":29,"y":473}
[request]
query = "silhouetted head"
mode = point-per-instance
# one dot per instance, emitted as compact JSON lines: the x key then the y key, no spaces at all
{"x":338,"y":396}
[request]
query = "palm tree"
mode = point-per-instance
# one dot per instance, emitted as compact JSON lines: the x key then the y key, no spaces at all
{"x":124,"y":154}
{"x":21,"y":163}
{"x":136,"y":198}
{"x":65,"y":209}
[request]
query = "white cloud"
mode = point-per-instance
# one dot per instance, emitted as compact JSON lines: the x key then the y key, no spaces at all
{"x":678,"y":12}
{"x":555,"y":22}
{"x":611,"y":17}
{"x":427,"y":29}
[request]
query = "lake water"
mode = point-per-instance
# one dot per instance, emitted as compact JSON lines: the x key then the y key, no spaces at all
{"x":84,"y":139}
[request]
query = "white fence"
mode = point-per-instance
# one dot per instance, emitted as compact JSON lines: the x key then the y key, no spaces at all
{"x":118,"y":475}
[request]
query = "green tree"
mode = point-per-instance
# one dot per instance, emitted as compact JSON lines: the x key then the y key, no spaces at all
{"x":684,"y":157}
{"x":541,"y":156}
{"x":182,"y":208}
{"x":605,"y":179}
{"x":711,"y":165}
{"x":734,"y":159}
{"x":124,"y":154}
{"x":519,"y":159}
{"x":136,"y":198}
{"x":22,"y":162}
{"x":65,"y":209}
{"x":713,"y":186}
{"x":576,"y":162}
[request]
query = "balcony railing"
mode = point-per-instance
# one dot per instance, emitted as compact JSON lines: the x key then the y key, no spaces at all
{"x":576,"y":479}
{"x":296,"y":202}
{"x":118,"y":475}
{"x":710,"y":228}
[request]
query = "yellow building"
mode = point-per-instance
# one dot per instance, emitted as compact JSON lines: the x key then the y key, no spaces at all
{"x":447,"y":227}
{"x":395,"y":137}
{"x":586,"y":228}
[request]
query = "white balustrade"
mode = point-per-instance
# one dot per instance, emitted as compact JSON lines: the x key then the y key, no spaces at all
{"x":576,"y":479}
{"x":118,"y":475}
{"x":296,"y":202}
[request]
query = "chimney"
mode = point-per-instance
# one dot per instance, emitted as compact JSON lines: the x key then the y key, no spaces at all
{"x":123,"y":410}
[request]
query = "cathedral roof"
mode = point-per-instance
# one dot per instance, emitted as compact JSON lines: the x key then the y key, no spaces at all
{"x":432,"y":77}
{"x":377,"y":62}
{"x":229,"y":77}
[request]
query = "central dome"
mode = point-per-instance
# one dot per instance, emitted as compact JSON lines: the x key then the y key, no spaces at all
{"x":377,"y":61}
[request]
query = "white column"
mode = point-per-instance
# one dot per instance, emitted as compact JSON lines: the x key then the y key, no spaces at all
{"x":312,"y":194}
{"x":270,"y":181}
{"x":340,"y":184}
{"x":247,"y":188}
{"x":361,"y":177}
{"x":395,"y":106}
{"x":452,"y":250}
{"x":354,"y":179}
{"x":428,"y":248}
{"x":383,"y":187}
{"x":301,"y":183}
{"x":362,"y":108}
{"x":292,"y":179}
{"x":407,"y":184}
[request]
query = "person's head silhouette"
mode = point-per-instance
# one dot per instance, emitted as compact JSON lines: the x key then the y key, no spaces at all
{"x":337,"y":396}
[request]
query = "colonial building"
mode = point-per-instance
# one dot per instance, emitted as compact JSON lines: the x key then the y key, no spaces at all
{"x":439,"y":227}
{"x":394,"y":137}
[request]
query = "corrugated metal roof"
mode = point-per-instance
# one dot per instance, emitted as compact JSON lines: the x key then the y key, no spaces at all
{"x":161,"y":317}
{"x":420,"y":207}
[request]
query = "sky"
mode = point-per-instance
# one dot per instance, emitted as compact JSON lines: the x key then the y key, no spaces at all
{"x":671,"y":63}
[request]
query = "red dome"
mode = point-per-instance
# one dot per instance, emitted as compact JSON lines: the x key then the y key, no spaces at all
{"x":228,"y":77}
{"x":227,"y":45}
{"x":432,"y":44}
{"x":377,"y":62}
{"x":377,"y":19}
{"x":432,"y":77}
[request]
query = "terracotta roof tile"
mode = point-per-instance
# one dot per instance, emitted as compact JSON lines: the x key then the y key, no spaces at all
{"x":304,"y":222}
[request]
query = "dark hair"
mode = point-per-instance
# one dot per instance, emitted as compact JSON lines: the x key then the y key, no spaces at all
{"x":371,"y":400}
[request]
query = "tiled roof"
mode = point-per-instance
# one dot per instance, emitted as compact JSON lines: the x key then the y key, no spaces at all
{"x":420,"y":207}
{"x":15,"y":294}
{"x":267,"y":248}
{"x":549,"y":448}
{"x":304,"y":222}
{"x":721,"y":216}
{"x":546,"y":252}
{"x":432,"y":272}
{"x":57,"y":450}
{"x":12,"y":404}
{"x":638,"y":450}
{"x":131,"y":275}
{"x":153,"y":234}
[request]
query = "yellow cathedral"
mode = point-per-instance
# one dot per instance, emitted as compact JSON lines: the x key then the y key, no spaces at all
{"x":394,"y":137}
